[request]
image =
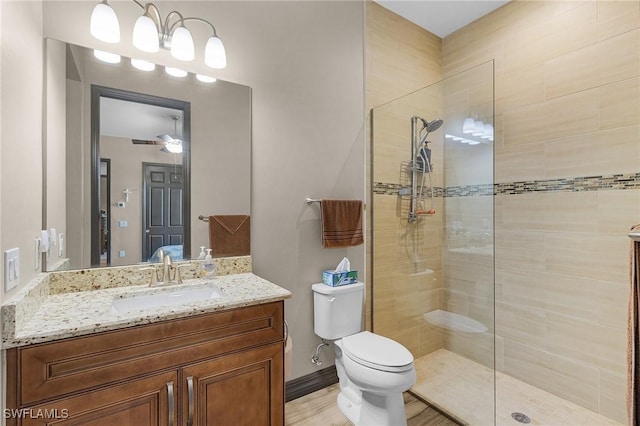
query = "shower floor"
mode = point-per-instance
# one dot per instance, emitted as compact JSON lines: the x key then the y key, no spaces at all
{"x":464,"y":389}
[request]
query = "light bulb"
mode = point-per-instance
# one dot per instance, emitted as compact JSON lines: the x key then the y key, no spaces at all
{"x":488,"y":132}
{"x":174,"y":147}
{"x":110,"y":58}
{"x":143,"y":65}
{"x":468,"y":126}
{"x":214,"y":54}
{"x":182,"y":44}
{"x":145,"y":35}
{"x":479,"y":128}
{"x":175,"y":72}
{"x":104,"y":23}
{"x":205,"y":78}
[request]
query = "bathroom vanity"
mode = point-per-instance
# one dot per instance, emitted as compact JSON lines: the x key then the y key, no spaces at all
{"x":217,"y":361}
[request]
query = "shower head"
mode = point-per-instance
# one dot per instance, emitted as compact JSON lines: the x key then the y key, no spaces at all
{"x":428,"y":128}
{"x":433,"y":126}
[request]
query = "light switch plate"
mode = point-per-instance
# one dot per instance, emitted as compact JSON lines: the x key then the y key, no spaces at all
{"x":11,"y":268}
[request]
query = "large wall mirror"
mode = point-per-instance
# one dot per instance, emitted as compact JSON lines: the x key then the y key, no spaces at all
{"x":136,"y":159}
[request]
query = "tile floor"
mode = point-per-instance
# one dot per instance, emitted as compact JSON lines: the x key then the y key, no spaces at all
{"x":465,"y":389}
{"x":320,"y":409}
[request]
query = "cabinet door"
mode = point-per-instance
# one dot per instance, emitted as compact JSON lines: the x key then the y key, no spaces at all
{"x":148,"y":401}
{"x":243,"y":389}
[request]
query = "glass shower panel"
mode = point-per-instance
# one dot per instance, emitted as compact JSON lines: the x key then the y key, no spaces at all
{"x":432,"y":239}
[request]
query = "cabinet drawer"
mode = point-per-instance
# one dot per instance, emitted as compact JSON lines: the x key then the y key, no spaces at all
{"x":58,"y":368}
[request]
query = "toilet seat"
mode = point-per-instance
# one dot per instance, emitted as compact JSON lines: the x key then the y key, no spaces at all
{"x":377,"y":352}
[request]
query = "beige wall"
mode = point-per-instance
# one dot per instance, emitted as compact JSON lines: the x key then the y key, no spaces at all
{"x":305,"y":67}
{"x":126,"y":172}
{"x":21,"y":132}
{"x":567,"y":90}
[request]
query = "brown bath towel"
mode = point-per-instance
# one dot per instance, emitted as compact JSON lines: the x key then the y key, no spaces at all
{"x":633,"y":343}
{"x":341,"y":223}
{"x":229,"y":235}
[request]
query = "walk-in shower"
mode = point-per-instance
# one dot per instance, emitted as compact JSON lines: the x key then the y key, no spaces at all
{"x":434,"y":286}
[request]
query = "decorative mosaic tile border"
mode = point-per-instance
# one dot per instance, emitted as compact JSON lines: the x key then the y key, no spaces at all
{"x":577,"y":184}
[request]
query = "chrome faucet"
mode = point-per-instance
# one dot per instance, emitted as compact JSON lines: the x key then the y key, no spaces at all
{"x":171,"y":273}
{"x":167,"y":268}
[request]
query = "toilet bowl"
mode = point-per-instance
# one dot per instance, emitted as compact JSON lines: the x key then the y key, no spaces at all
{"x":373,"y":370}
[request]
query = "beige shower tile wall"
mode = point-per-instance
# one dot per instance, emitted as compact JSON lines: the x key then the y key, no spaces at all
{"x":400,"y":58}
{"x":567,"y":77}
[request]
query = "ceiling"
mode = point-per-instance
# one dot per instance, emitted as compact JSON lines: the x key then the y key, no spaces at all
{"x":441,"y":17}
{"x":134,"y":120}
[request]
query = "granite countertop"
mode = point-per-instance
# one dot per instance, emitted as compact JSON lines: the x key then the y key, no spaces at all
{"x":78,"y":313}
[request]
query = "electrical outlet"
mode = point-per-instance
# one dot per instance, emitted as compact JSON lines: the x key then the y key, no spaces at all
{"x":123,"y":224}
{"x":121,"y":253}
{"x":11,"y":268}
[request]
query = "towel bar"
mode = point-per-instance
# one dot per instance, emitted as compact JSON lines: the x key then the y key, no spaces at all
{"x":309,"y":201}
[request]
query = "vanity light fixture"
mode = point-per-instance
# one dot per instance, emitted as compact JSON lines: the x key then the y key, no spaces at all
{"x":205,"y":78}
{"x":143,"y":65}
{"x":151,"y":32}
{"x":477,"y":128}
{"x":469,"y":126}
{"x":110,"y":58}
{"x":175,"y":72}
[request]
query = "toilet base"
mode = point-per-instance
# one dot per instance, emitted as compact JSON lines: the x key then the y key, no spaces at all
{"x":382,"y":410}
{"x":374,"y":410}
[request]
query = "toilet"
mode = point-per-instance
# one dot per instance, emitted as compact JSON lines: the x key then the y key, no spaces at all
{"x":373,"y":370}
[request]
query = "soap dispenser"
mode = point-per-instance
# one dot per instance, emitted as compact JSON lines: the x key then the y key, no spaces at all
{"x":208,"y":266}
{"x":202,"y":254}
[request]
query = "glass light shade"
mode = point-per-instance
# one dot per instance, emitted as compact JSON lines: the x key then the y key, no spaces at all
{"x":214,"y":54}
{"x":104,"y":24}
{"x":205,"y":78}
{"x":182,"y":45}
{"x":175,"y":72}
{"x":110,"y":58}
{"x":143,"y":65}
{"x":488,"y":131}
{"x":174,"y":147}
{"x":468,"y":126}
{"x":479,"y":128}
{"x":145,"y":35}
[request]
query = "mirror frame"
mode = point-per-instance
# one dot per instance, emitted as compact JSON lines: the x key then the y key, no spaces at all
{"x":108,"y":92}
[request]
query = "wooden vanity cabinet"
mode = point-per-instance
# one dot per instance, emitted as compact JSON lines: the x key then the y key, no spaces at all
{"x":222,"y":368}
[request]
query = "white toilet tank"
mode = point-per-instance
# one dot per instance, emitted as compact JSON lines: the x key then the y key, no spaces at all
{"x":337,"y":311}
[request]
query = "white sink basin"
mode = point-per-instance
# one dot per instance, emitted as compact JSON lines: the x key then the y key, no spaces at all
{"x":173,"y":297}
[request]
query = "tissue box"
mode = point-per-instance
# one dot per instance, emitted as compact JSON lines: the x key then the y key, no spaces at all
{"x":335,"y":279}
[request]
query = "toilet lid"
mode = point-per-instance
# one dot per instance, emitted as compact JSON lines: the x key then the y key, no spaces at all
{"x":377,"y":352}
